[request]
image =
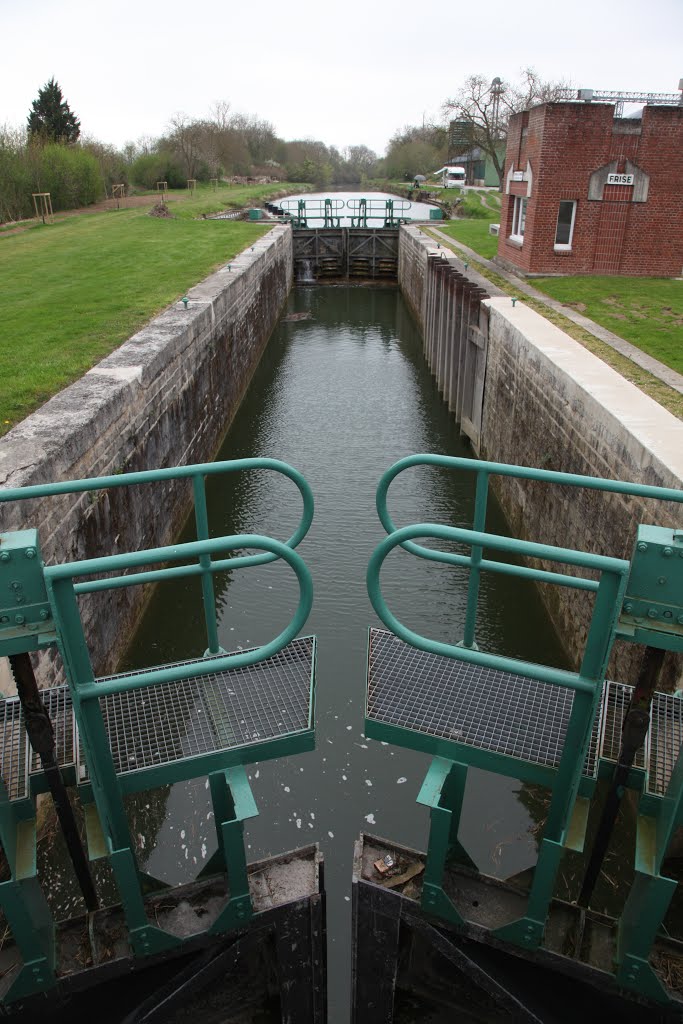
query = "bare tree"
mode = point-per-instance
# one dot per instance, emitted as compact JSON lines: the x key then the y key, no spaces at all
{"x":485,"y":108}
{"x":188,"y":137}
{"x":219,"y":115}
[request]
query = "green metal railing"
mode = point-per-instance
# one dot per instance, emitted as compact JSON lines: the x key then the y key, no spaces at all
{"x":484,"y":471}
{"x":63,"y":591}
{"x":608,"y":589}
{"x":222,"y":755}
{"x":197,"y":475}
{"x":651,"y":615}
{"x":390,"y":212}
{"x":302,"y":211}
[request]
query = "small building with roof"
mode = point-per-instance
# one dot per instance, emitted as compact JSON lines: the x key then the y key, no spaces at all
{"x":588,"y":192}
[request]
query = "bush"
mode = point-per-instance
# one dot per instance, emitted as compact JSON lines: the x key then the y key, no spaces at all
{"x":150,"y":168}
{"x":69,"y":174}
{"x":114,"y":168}
{"x":15,"y":182}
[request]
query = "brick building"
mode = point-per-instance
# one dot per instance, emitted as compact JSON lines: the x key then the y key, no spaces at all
{"x":588,"y":193}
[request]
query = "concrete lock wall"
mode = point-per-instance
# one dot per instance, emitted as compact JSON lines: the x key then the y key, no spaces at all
{"x":164,"y":398}
{"x":547,"y":402}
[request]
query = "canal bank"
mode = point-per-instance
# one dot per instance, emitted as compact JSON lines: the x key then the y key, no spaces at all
{"x":539,"y":398}
{"x":164,"y":398}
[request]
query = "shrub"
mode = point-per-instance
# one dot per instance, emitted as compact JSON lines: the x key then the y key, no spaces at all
{"x":70,"y":174}
{"x":150,"y":168}
{"x":15,"y":181}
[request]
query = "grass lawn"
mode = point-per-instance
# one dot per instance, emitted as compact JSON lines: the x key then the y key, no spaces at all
{"x":474,"y":234}
{"x":75,"y":290}
{"x":208,"y":200}
{"x":645,"y":311}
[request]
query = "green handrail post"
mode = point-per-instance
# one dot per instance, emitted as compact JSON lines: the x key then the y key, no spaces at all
{"x":480,"y":503}
{"x":208,"y":594}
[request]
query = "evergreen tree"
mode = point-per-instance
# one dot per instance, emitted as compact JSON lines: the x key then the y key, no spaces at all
{"x":50,"y":118}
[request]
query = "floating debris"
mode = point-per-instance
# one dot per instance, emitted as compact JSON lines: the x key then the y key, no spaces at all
{"x":384,"y":865}
{"x":293,"y":317}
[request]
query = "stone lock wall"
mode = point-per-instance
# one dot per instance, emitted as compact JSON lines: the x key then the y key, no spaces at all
{"x":552,"y":404}
{"x":164,"y":398}
{"x":547,"y":402}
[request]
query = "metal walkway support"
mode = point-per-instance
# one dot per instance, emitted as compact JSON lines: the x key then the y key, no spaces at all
{"x":208,"y":716}
{"x":534,"y":722}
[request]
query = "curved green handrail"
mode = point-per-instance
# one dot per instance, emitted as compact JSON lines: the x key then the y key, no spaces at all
{"x":59,"y":579}
{"x":486,"y":469}
{"x":197,"y":474}
{"x":615,"y":568}
{"x":198,"y":470}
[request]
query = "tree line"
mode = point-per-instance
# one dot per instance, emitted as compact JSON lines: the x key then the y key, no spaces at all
{"x":51,"y":155}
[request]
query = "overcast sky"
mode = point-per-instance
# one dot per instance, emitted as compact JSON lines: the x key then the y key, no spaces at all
{"x":349,"y":73}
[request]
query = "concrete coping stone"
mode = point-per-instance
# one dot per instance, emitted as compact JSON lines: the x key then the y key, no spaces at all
{"x":658,"y":430}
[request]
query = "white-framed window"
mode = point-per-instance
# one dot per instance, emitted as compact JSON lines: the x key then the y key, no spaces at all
{"x":519,"y":218}
{"x":564,"y":232}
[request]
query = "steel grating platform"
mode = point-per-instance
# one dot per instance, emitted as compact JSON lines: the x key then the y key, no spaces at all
{"x":213,"y":712}
{"x":509,"y":714}
{"x":665,"y":738}
{"x":169,"y":722}
{"x":476,"y":706}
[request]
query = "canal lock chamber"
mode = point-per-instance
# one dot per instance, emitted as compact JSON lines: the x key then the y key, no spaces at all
{"x":342,"y":391}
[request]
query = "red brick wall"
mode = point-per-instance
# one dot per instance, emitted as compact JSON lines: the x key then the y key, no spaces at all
{"x":564,"y":144}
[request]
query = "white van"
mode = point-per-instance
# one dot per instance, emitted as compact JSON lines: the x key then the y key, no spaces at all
{"x":453,"y":177}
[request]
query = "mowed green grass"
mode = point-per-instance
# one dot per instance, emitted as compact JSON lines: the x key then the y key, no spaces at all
{"x":474,"y":234}
{"x":646,"y":311}
{"x":75,"y":290}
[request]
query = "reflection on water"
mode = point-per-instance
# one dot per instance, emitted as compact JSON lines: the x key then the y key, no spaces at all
{"x":341,"y":396}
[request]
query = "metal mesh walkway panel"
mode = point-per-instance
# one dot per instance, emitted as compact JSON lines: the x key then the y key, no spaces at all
{"x":172,"y":721}
{"x":476,"y":706}
{"x":666,"y":738}
{"x":217,"y":711}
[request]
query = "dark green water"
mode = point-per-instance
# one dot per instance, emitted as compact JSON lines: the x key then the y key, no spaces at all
{"x":341,"y":397}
